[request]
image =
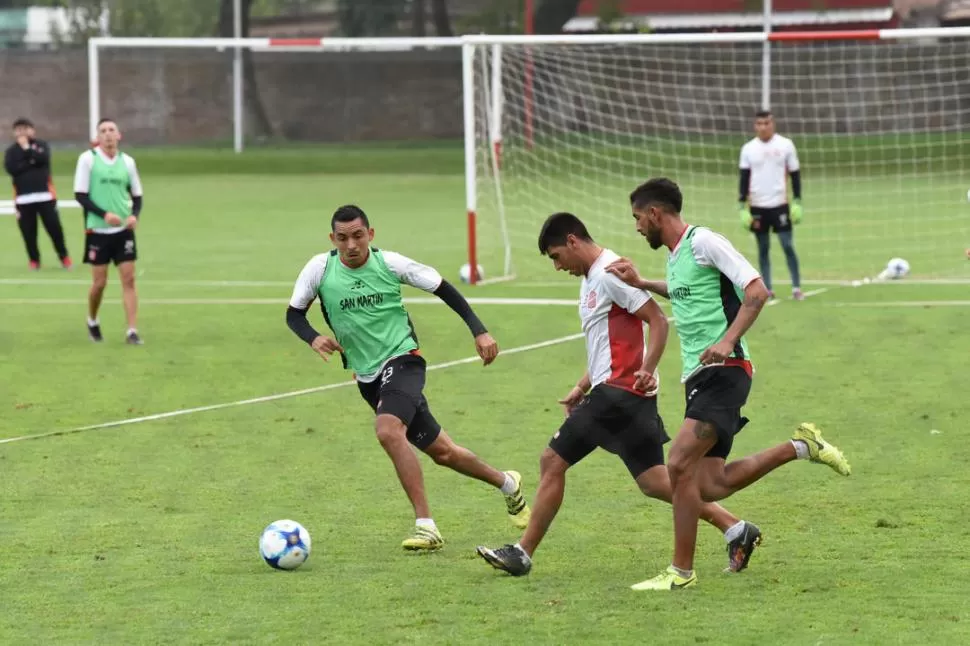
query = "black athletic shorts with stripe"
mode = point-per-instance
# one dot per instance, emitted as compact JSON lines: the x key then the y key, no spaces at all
{"x":716,"y":395}
{"x":617,"y":420}
{"x":398,"y":391}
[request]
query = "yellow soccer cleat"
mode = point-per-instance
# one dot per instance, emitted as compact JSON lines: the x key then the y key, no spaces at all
{"x":519,"y":511}
{"x":821,"y":451}
{"x":423,"y":539}
{"x":667,"y":580}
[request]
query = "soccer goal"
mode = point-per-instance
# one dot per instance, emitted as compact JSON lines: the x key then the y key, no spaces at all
{"x":880,"y":119}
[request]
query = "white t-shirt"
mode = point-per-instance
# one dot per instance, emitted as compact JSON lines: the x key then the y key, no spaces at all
{"x":614,"y":335}
{"x":711,"y":249}
{"x":82,"y":177}
{"x":410,"y":272}
{"x":770,"y":162}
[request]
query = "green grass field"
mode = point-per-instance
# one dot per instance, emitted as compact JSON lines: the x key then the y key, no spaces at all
{"x":145,"y":532}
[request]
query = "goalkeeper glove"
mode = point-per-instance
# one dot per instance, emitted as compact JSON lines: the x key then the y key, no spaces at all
{"x":796,"y":212}
{"x":745,"y":216}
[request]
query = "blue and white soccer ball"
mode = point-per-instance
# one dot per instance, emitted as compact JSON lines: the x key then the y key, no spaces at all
{"x":896,"y":268}
{"x":285,"y":545}
{"x":465,"y":273}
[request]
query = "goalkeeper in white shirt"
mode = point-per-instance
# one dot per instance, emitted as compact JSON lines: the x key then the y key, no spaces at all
{"x":767,"y":161}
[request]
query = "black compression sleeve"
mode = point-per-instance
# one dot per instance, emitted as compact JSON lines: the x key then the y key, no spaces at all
{"x":744,"y":184}
{"x":296,"y":320}
{"x":136,"y":205}
{"x":84,"y":199}
{"x":796,"y":184}
{"x":453,"y":299}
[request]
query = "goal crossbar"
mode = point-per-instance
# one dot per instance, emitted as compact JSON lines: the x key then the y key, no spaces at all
{"x":469,"y":45}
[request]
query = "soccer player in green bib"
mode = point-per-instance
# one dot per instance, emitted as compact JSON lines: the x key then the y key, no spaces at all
{"x":359,"y":288}
{"x":716,"y":295}
{"x":107,"y":186}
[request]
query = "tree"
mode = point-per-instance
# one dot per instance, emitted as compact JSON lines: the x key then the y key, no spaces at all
{"x":253,"y":97}
{"x":369,"y":17}
{"x":419,"y":19}
{"x":442,"y":23}
{"x":552,"y":15}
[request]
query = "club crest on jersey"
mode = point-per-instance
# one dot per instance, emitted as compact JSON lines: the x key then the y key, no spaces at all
{"x":591,"y":299}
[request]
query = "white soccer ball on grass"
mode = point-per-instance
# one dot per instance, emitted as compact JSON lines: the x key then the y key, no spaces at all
{"x":465,"y":273}
{"x":285,"y":545}
{"x":895,"y":269}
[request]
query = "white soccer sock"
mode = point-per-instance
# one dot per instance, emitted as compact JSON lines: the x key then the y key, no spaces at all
{"x":734,"y":531}
{"x":427,"y":523}
{"x":801,"y":449}
{"x":508,"y":487}
{"x":683,"y":573}
{"x":92,"y":322}
{"x":131,"y":331}
{"x":524,"y":553}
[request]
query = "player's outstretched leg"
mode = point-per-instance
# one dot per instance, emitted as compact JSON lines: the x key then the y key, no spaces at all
{"x":392,"y":434}
{"x":741,"y":536}
{"x":696,"y":479}
{"x":99,"y":279}
{"x":788,"y":244}
{"x":719,"y":480}
{"x":764,"y":257}
{"x":446,"y":453}
{"x":516,"y":559}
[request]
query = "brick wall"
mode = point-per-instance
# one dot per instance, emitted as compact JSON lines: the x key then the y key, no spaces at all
{"x":172,"y":96}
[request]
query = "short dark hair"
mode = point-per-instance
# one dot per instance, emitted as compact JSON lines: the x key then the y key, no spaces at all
{"x":23,"y":121}
{"x":348,"y":213}
{"x":762,"y":114}
{"x":106,"y":120}
{"x":558,"y":227}
{"x":658,"y":191}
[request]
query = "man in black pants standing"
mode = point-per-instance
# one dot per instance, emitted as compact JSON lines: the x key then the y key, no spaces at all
{"x":27,"y":161}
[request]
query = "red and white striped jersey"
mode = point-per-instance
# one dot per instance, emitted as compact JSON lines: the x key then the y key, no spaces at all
{"x":614,"y":336}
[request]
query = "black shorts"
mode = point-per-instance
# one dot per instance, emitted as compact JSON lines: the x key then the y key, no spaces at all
{"x":716,"y":395}
{"x":104,"y":248}
{"x":621,"y":422}
{"x":775,"y":219}
{"x":398,"y":391}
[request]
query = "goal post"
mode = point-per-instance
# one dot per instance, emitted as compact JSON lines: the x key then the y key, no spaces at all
{"x":880,"y":119}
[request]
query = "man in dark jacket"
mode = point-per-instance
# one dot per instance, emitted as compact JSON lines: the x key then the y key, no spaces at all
{"x":28,"y":162}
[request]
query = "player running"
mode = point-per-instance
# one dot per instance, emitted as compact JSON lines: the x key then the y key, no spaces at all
{"x":766,"y":163}
{"x":359,"y":287}
{"x":108,"y":188}
{"x":614,"y":405}
{"x":716,"y":296}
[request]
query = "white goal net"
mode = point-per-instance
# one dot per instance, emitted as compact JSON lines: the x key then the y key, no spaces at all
{"x":882,"y":129}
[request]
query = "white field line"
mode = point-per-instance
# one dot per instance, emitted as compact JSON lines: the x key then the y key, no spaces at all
{"x":510,"y":283}
{"x":281,"y":302}
{"x":269,"y":398}
{"x":294,"y":393}
{"x":900,"y":304}
{"x":831,"y":283}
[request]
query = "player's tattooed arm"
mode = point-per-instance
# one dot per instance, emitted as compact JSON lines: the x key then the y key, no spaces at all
{"x":755,"y":297}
